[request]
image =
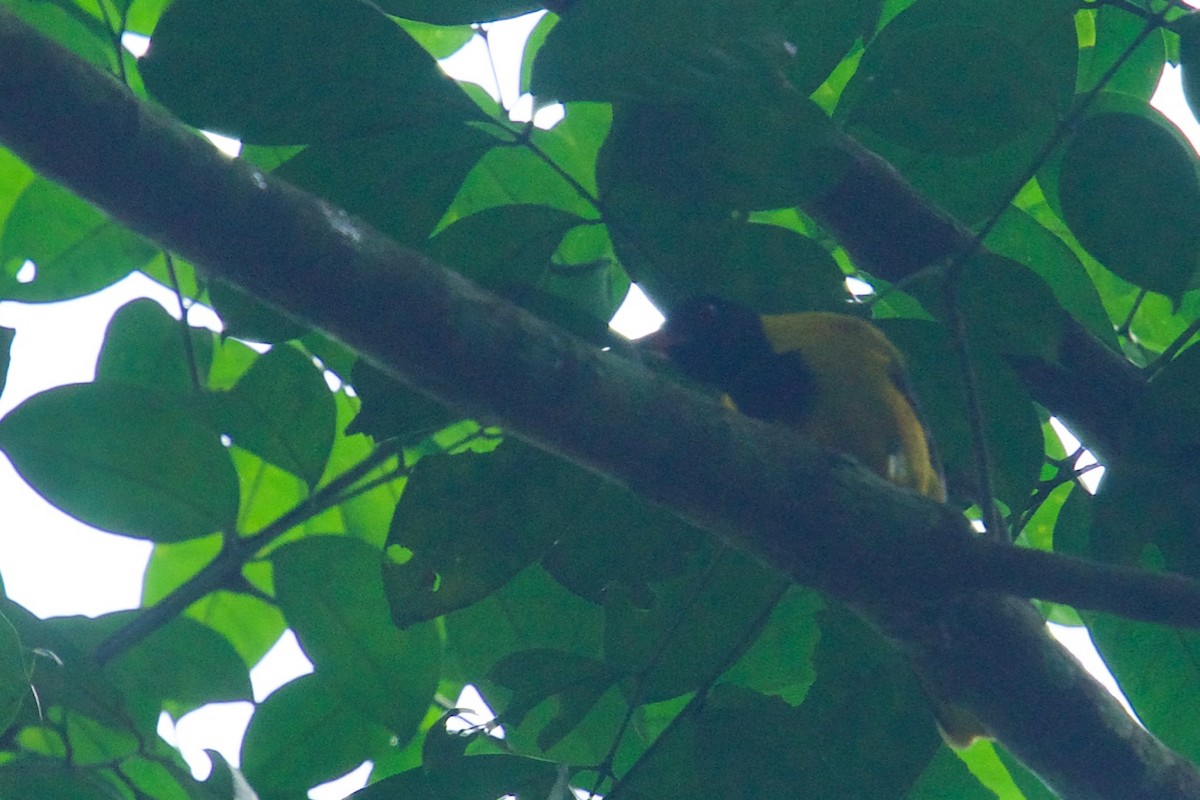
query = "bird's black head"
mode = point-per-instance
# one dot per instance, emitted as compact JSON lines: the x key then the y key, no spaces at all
{"x":723,"y":345}
{"x":711,"y":340}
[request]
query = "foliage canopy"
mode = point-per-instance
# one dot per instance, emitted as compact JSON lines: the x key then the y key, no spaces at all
{"x":413,"y":551}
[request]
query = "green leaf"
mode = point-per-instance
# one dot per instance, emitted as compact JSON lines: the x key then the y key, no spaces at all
{"x":279,"y":71}
{"x":459,"y":12}
{"x":531,"y":611}
{"x":469,"y":778}
{"x":504,"y":247}
{"x":608,"y":50}
{"x":1158,"y":670}
{"x":16,"y":690}
{"x":442,"y":543}
{"x":875,"y":729}
{"x":1130,"y":192}
{"x":124,"y":460}
{"x":1116,"y":31}
{"x":1019,"y":237}
{"x":246,"y":317}
{"x":144,"y":346}
{"x":331,"y":593}
{"x":697,"y":625}
{"x":186,"y":663}
{"x":615,"y":538}
{"x":391,"y":409}
{"x":283,"y":411}
{"x":575,"y":683}
{"x":400,"y":183}
{"x":47,"y":779}
{"x":560,"y":173}
{"x":303,"y":735}
{"x":779,"y":663}
{"x":959,"y":78}
{"x":75,"y":248}
{"x":6,"y":341}
{"x":1012,"y":427}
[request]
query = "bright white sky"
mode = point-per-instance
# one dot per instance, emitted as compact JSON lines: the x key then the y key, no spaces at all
{"x":49,"y":561}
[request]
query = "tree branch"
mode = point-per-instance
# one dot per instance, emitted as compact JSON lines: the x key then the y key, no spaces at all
{"x":818,"y":517}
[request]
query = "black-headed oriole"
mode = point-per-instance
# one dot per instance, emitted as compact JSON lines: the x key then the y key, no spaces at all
{"x":834,"y":378}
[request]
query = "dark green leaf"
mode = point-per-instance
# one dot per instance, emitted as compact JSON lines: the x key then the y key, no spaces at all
{"x":331,"y":593}
{"x":874,"y":729}
{"x":48,"y":779}
{"x":697,"y":626}
{"x":958,"y":78}
{"x":1018,"y":237}
{"x":144,"y":346}
{"x":6,"y":342}
{"x":609,"y":50}
{"x":75,"y":248}
{"x":304,"y":734}
{"x":779,"y":663}
{"x":400,"y":183}
{"x":482,"y":777}
{"x":459,"y":12}
{"x":1115,"y":32}
{"x":246,"y":317}
{"x":124,"y":460}
{"x":278,"y":71}
{"x":1013,"y":431}
{"x":1158,"y":670}
{"x":531,"y":611}
{"x":616,"y":538}
{"x":467,"y":523}
{"x":1130,"y":192}
{"x":283,"y":411}
{"x":573,"y":682}
{"x":392,"y":410}
{"x":505,"y":246}
{"x":186,"y":663}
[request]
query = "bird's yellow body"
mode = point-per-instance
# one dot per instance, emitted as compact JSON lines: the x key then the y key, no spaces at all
{"x":832,"y":377}
{"x":861,"y":404}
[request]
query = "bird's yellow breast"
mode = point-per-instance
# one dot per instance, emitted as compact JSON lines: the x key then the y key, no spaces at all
{"x":861,"y":404}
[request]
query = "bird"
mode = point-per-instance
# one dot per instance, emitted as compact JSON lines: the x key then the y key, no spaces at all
{"x":834,"y":378}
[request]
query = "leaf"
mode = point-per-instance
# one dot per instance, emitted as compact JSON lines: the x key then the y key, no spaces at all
{"x":283,"y":411}
{"x":303,"y":735}
{"x":454,"y":511}
{"x":575,"y":683}
{"x":459,"y":12}
{"x":696,"y":625}
{"x":607,"y":50}
{"x":76,"y":248}
{"x":331,"y":593}
{"x":1156,"y":669}
{"x":469,"y":778}
{"x":957,"y":78}
{"x":1130,"y":192}
{"x":46,"y":779}
{"x":278,"y":71}
{"x":505,"y":246}
{"x":530,"y":612}
{"x":1013,"y":431}
{"x":144,"y":346}
{"x":6,"y":341}
{"x":400,"y":183}
{"x":123,"y":460}
{"x":186,"y":663}
{"x":246,"y":317}
{"x":391,"y":409}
